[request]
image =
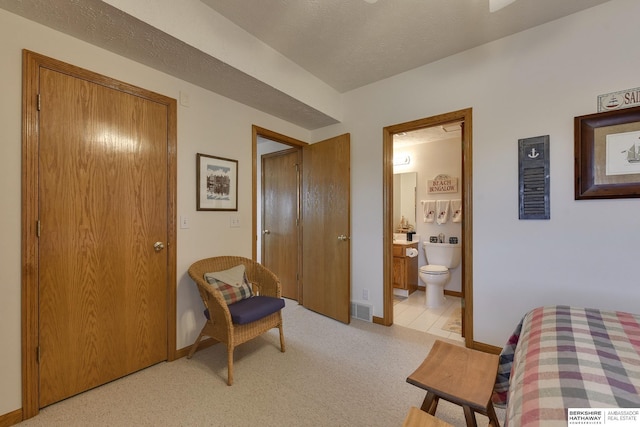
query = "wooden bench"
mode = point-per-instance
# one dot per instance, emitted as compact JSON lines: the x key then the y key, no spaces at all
{"x":418,"y":418}
{"x":461,"y":376}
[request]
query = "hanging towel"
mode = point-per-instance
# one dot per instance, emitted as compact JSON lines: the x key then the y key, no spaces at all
{"x":442,"y":210}
{"x":456,"y":210}
{"x":429,"y":210}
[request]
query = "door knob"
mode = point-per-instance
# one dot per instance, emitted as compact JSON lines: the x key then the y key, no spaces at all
{"x":266,"y":232}
{"x":342,"y":237}
{"x":158,"y":246}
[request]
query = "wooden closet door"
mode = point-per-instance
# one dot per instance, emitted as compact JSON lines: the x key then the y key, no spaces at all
{"x":280,"y":218}
{"x":103,"y":206}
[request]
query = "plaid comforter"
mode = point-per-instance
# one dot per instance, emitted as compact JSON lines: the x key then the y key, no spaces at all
{"x":562,"y":357}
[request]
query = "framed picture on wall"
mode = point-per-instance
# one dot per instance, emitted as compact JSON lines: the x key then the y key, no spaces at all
{"x":607,"y":155}
{"x":216,"y":183}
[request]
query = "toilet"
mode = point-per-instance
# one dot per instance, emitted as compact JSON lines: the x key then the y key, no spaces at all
{"x":440,"y":258}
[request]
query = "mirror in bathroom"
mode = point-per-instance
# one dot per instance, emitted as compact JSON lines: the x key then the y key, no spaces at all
{"x":404,"y":200}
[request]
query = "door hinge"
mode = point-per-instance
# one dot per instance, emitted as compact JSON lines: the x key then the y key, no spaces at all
{"x":38,"y":228}
{"x":38,"y":102}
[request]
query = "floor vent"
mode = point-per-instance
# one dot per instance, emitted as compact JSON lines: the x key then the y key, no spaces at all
{"x":362,"y":311}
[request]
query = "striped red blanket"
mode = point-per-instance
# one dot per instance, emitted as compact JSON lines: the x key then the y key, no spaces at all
{"x":562,"y":357}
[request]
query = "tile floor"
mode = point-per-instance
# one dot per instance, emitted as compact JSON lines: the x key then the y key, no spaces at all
{"x":411,"y":313}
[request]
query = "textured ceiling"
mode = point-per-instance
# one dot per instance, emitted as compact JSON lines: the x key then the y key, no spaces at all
{"x":351,"y":43}
{"x":345,"y":43}
{"x":426,"y":135}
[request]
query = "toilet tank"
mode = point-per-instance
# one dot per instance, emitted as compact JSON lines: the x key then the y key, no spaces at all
{"x":446,"y":254}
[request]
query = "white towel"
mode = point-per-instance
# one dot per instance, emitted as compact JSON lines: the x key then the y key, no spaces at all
{"x":456,"y":209}
{"x":442,"y":210}
{"x":429,"y":210}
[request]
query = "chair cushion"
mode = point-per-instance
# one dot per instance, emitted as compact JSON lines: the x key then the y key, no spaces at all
{"x":255,"y":308}
{"x":232,"y":283}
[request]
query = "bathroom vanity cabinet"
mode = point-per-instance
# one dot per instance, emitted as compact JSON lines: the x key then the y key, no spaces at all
{"x":405,"y":269}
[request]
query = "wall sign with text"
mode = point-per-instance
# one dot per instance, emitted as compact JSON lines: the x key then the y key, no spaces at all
{"x":619,"y":100}
{"x":443,"y":184}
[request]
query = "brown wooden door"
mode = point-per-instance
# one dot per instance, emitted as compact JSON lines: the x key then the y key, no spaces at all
{"x":280,"y":218}
{"x":103,"y":205}
{"x":326,"y":286}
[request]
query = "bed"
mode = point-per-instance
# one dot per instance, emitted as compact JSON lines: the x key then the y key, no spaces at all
{"x":562,"y":357}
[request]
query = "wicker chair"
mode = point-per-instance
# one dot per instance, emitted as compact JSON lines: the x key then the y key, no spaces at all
{"x":219,"y":325}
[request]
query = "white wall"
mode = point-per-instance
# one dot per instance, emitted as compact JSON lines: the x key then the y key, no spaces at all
{"x":211,"y":125}
{"x":530,"y":84}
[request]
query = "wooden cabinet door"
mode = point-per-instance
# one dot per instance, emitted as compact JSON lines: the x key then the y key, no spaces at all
{"x":398,"y":273}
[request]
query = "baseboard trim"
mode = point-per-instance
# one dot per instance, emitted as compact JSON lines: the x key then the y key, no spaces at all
{"x":205,"y":343}
{"x":11,"y":418}
{"x":378,"y":320}
{"x":453,"y":293}
{"x":487,"y":348}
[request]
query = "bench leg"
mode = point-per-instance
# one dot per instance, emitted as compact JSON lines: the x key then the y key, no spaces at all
{"x":430,"y":403}
{"x":470,"y":416}
{"x":493,"y":418}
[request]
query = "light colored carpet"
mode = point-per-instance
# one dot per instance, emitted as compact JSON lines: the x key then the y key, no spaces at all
{"x":332,"y":374}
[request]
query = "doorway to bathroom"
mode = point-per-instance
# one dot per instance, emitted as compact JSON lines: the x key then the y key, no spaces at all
{"x":402,"y":153}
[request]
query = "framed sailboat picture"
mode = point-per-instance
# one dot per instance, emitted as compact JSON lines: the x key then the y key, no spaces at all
{"x":607,"y":155}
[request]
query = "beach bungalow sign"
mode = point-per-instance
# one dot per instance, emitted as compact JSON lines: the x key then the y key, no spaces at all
{"x":619,"y":100}
{"x":443,"y":184}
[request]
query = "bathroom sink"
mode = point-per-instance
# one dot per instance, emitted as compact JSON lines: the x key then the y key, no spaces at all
{"x":404,"y":242}
{"x":401,"y":239}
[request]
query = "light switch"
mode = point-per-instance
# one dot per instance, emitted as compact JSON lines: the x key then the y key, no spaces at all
{"x":184,"y":221}
{"x":184,"y":99}
{"x":234,"y":221}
